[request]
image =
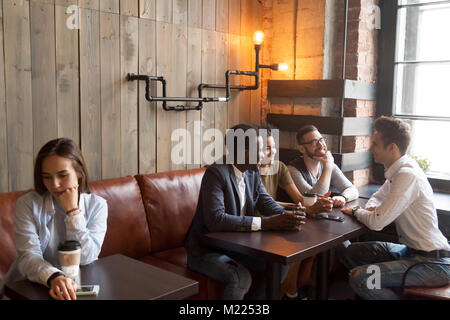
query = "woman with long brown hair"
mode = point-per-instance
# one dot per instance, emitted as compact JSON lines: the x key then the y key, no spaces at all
{"x":60,"y":208}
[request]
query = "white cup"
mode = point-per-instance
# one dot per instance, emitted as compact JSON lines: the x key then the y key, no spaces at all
{"x":309,"y":199}
{"x":69,"y":254}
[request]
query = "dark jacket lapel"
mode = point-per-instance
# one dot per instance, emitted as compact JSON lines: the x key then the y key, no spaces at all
{"x":235,"y":186}
{"x":249,"y":195}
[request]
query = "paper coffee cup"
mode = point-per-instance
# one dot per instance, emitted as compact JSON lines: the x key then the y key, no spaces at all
{"x":69,"y":254}
{"x":309,"y":199}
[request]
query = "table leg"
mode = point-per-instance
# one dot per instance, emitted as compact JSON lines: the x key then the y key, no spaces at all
{"x":322,"y":276}
{"x":273,"y":286}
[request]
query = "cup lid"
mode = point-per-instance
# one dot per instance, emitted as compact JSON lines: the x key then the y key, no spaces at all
{"x":310,"y":194}
{"x":69,"y":245}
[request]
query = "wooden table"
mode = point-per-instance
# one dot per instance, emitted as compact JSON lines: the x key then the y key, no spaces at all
{"x":120,"y":278}
{"x":286,"y":247}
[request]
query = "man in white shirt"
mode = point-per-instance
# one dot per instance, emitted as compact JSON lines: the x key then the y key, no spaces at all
{"x":406,"y":198}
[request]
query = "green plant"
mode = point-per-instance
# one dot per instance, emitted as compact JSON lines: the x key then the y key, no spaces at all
{"x":423,"y":162}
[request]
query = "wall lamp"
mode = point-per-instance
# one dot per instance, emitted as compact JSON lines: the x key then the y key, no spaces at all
{"x":258,"y":39}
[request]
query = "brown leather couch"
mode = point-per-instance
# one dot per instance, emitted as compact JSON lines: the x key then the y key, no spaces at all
{"x":148,"y":218}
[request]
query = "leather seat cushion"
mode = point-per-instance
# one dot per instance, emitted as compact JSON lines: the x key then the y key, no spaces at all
{"x":127,"y":231}
{"x":441,"y":293}
{"x":8,"y":248}
{"x":170,"y":200}
{"x":175,"y":256}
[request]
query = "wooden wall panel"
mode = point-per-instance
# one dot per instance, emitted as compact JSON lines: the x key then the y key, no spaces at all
{"x":147,"y":110}
{"x":221,"y":108}
{"x":16,"y":28}
{"x":56,"y":81}
{"x":256,"y":24}
{"x":245,"y":64}
{"x":129,"y":7}
{"x":110,"y":78}
{"x":208,"y":76}
{"x":67,"y":76}
{"x":43,"y":73}
{"x":234,"y":27}
{"x":194,"y":78}
{"x":234,"y":63}
{"x":91,"y":130}
{"x":180,"y":12}
{"x":111,"y":6}
{"x":147,"y":9}
{"x":209,"y":14}
{"x":234,"y":16}
{"x":3,"y":136}
{"x":255,"y":18}
{"x":129,"y":50}
{"x":164,"y":11}
{"x":66,"y":3}
{"x":164,"y":119}
{"x":246,"y":13}
{"x":89,"y":4}
{"x":195,"y":13}
{"x":222,"y":16}
{"x":179,"y":86}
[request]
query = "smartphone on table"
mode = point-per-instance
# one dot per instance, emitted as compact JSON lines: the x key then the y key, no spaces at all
{"x":88,"y":290}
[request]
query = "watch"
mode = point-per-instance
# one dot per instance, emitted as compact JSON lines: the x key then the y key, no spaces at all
{"x":354,"y":209}
{"x":72,"y":210}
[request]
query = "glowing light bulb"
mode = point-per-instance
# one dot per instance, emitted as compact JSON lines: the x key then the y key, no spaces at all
{"x":283,"y":67}
{"x":258,"y":37}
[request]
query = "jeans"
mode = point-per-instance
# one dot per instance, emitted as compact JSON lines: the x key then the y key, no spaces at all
{"x":233,"y":269}
{"x":365,"y":259}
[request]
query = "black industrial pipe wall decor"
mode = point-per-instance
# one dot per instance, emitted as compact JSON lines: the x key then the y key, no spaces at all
{"x":258,"y":39}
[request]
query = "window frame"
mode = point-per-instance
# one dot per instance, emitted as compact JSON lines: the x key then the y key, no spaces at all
{"x":386,"y":80}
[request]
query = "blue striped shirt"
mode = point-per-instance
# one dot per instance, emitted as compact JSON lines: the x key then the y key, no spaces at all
{"x":41,"y":223}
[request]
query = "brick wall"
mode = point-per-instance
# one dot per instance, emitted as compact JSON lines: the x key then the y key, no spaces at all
{"x":307,"y":35}
{"x":361,"y":65}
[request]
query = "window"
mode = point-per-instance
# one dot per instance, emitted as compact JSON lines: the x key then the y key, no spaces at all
{"x":420,"y":77}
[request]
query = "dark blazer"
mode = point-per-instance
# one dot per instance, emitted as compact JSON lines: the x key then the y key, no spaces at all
{"x":218,"y":207}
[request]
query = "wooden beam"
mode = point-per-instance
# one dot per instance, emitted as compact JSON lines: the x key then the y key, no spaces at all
{"x":304,"y":88}
{"x":347,"y":126}
{"x":345,"y":161}
{"x":348,"y":89}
